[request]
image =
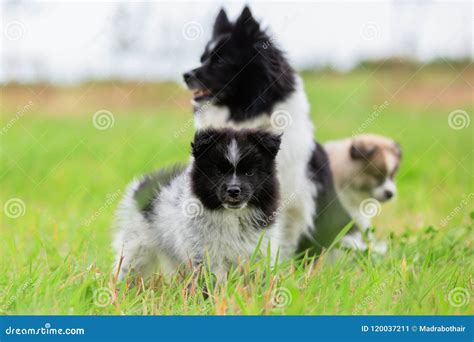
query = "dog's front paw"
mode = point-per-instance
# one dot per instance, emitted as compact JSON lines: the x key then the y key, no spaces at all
{"x":354,"y":242}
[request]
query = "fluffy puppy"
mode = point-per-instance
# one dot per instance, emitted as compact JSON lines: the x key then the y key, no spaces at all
{"x":362,"y":172}
{"x":216,"y":209}
{"x":245,"y":81}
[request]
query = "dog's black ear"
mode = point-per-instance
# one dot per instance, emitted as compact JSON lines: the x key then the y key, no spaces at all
{"x":222,"y":24}
{"x":203,"y":140}
{"x":268,"y":142}
{"x":246,"y":24}
{"x":360,"y":151}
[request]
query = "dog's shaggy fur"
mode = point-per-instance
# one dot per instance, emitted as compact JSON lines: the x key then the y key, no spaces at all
{"x":216,"y":209}
{"x":245,"y":81}
{"x":362,"y":175}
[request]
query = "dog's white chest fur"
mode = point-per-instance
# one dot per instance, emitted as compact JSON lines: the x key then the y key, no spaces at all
{"x":298,"y":192}
{"x":181,"y":232}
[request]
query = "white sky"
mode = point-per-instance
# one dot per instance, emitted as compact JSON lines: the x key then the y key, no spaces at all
{"x":70,"y":42}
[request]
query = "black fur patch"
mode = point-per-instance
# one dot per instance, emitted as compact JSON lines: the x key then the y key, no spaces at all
{"x":150,"y":187}
{"x":331,"y":217}
{"x":254,"y":173}
{"x":242,"y":68}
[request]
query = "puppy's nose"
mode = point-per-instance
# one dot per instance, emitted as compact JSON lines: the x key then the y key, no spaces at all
{"x":233,"y":191}
{"x":388,"y":194}
{"x":187,"y":76}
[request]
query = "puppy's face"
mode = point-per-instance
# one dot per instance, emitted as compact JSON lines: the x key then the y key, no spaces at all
{"x":233,"y":169}
{"x":376,"y":160}
{"x":229,"y":63}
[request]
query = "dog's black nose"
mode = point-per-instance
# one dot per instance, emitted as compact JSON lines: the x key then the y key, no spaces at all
{"x":187,"y":76}
{"x":388,"y":194}
{"x":233,"y":191}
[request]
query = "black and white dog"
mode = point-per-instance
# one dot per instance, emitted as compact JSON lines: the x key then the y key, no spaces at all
{"x":245,"y":81}
{"x":215,"y":209}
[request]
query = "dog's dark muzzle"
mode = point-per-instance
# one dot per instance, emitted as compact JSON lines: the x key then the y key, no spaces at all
{"x":200,"y":91}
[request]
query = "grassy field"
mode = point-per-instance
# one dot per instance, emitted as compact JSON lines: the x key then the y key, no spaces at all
{"x":62,"y":174}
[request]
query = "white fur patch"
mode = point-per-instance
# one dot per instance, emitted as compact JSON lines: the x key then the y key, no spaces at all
{"x":176,"y":235}
{"x":233,"y":153}
{"x":298,"y":191}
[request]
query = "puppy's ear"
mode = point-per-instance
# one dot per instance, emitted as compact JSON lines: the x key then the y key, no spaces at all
{"x":203,"y":140}
{"x":398,"y":149}
{"x":222,"y":24}
{"x":269,"y":143}
{"x":246,"y":26}
{"x":361,"y":151}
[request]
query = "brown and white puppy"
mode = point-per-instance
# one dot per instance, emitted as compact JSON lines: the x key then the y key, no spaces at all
{"x":363,"y":170}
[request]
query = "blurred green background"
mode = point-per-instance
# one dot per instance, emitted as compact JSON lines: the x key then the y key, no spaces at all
{"x":68,"y":174}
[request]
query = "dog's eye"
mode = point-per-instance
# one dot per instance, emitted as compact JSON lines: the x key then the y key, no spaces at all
{"x":249,"y":173}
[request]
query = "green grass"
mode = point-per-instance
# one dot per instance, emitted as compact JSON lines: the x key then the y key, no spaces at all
{"x":56,"y":258}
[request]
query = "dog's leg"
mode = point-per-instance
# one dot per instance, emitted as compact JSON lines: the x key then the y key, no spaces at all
{"x":136,"y":258}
